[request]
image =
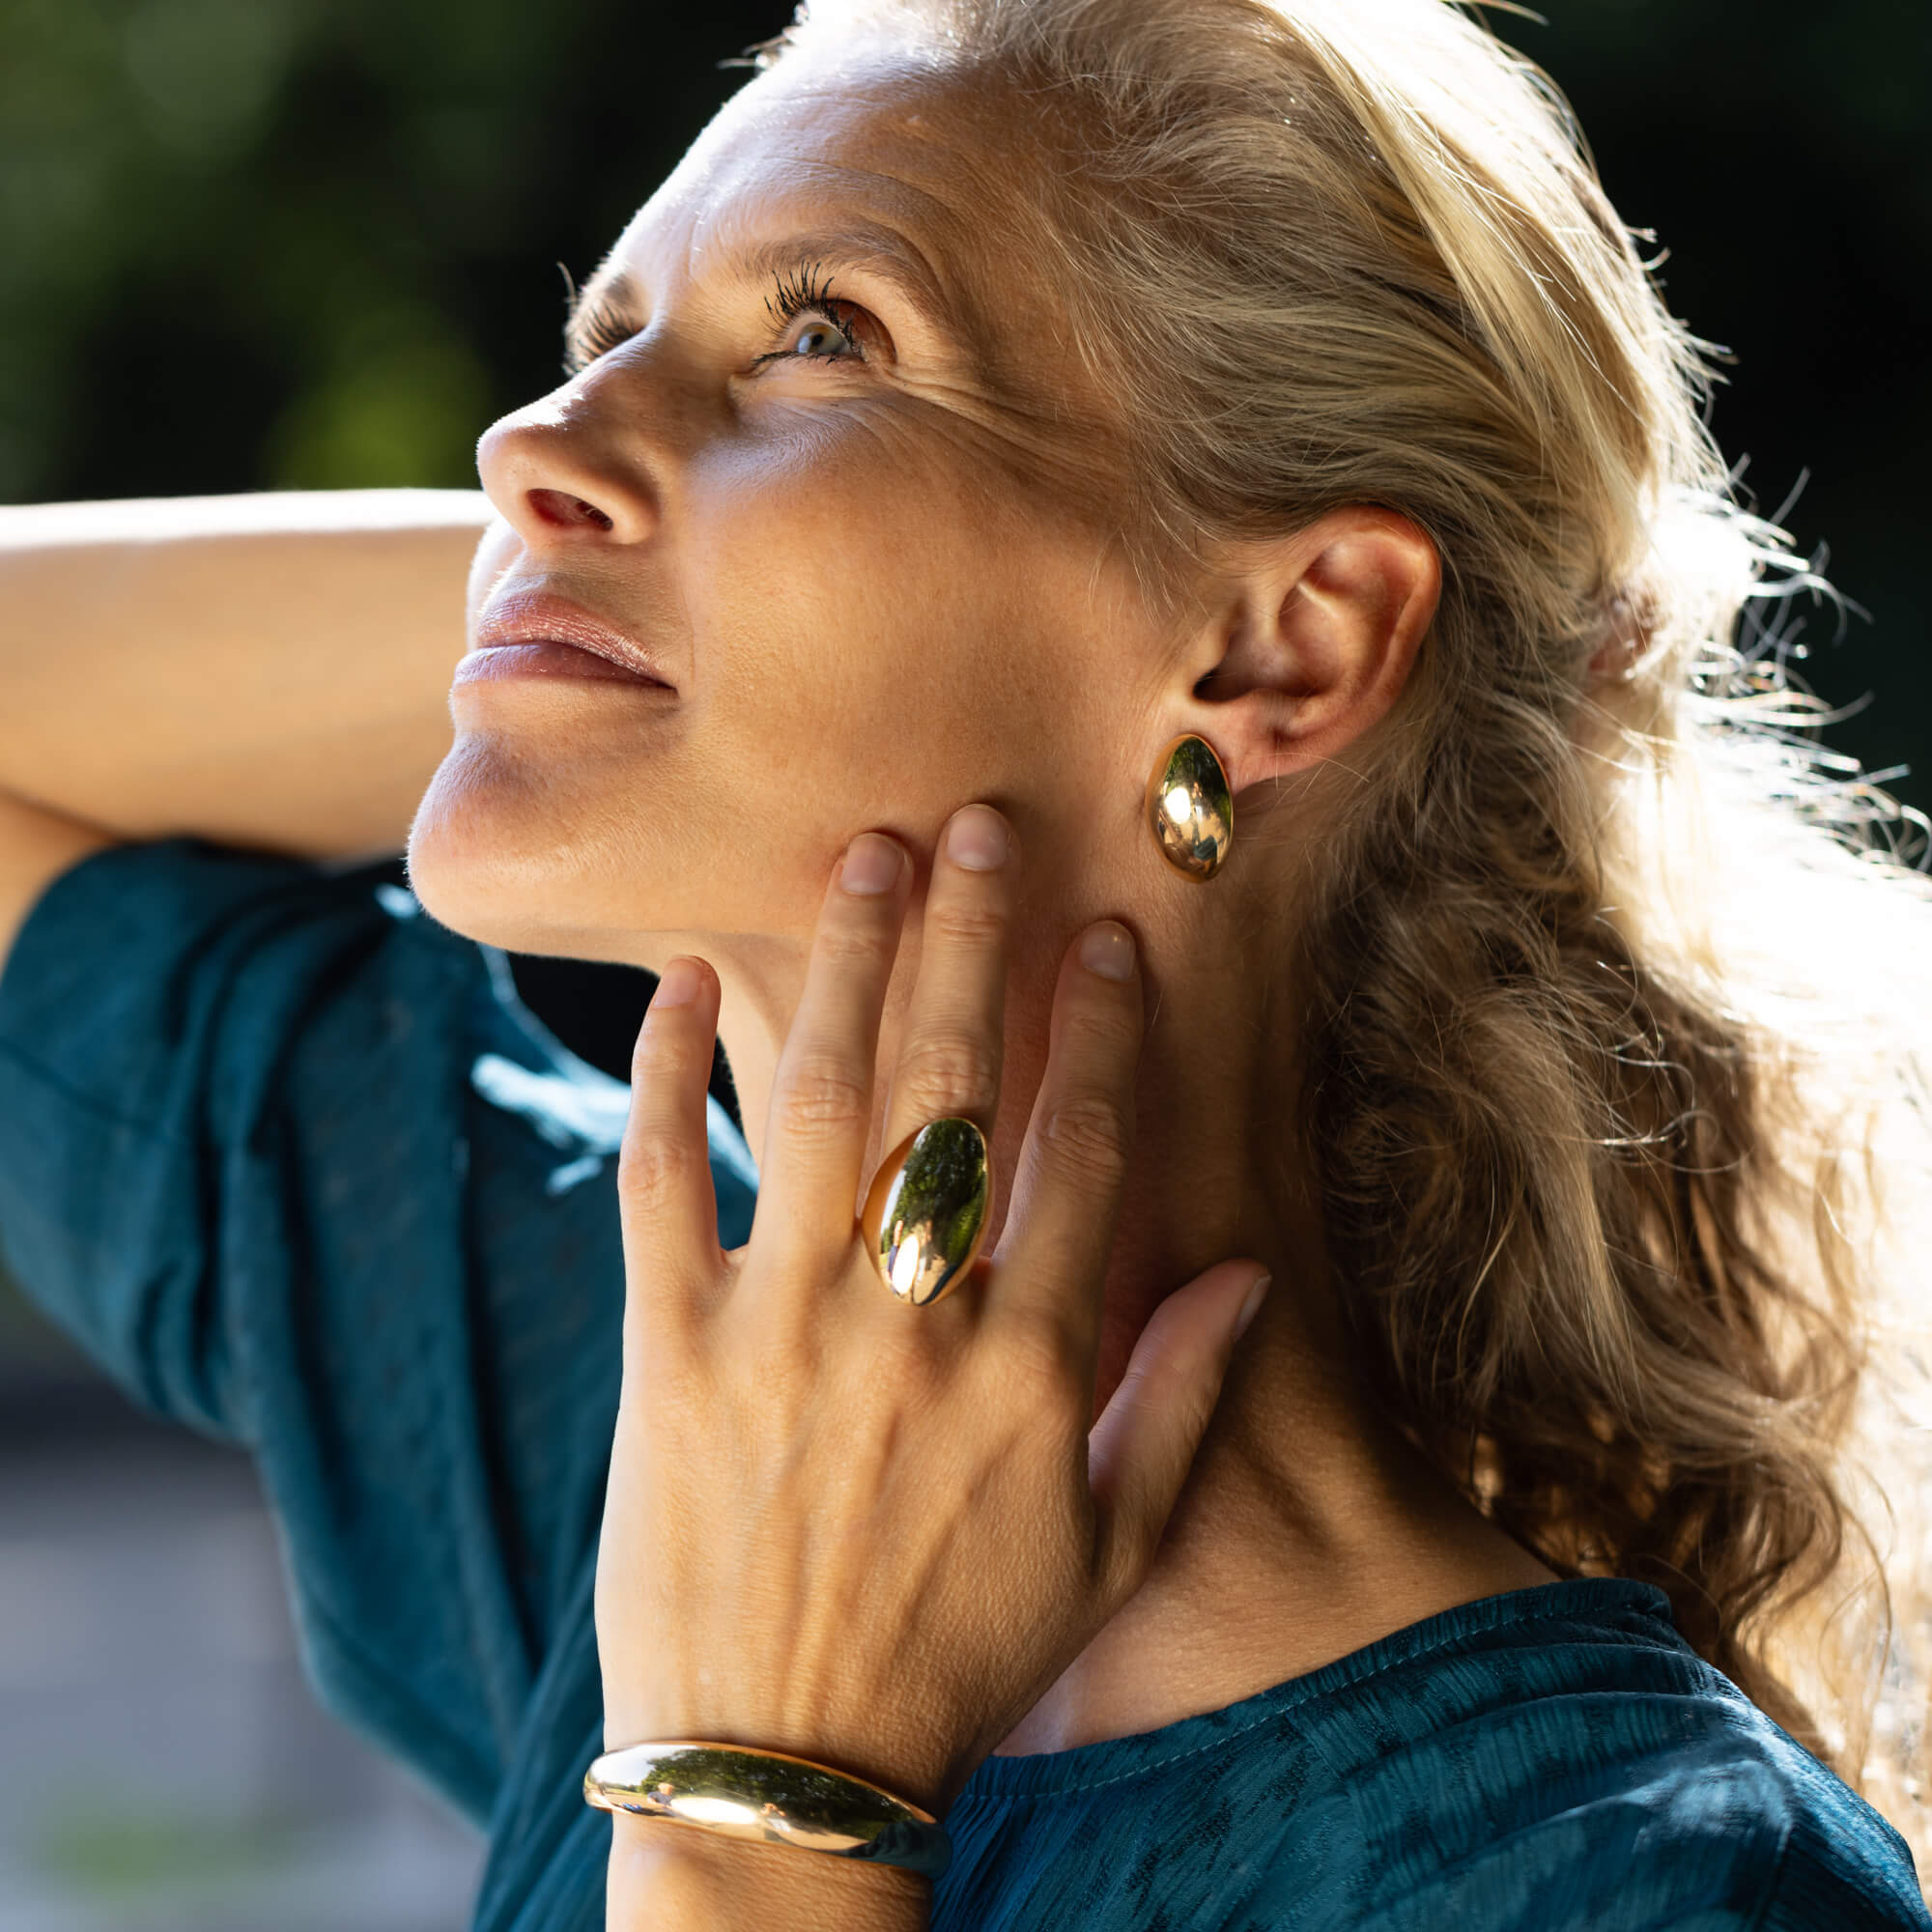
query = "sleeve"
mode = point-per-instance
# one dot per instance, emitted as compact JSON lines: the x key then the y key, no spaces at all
{"x":1844,"y":1866}
{"x":293,"y":1165}
{"x":1726,"y":1835}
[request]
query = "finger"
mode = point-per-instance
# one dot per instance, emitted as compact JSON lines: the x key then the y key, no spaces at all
{"x":1140,"y":1451}
{"x":950,"y":1057}
{"x":664,"y":1190}
{"x":821,"y":1105}
{"x":1060,"y":1229}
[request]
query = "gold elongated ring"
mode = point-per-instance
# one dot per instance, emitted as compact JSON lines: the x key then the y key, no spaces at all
{"x":927,"y":1209}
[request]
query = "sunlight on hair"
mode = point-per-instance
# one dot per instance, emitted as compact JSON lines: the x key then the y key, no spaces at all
{"x":1615,"y":993}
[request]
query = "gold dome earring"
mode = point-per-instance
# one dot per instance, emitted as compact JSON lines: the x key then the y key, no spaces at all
{"x":1190,"y":808}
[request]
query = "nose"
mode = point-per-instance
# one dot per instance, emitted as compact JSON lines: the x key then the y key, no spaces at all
{"x":567,"y":469}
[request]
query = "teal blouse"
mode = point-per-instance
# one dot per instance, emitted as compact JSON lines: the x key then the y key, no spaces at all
{"x":295,"y":1165}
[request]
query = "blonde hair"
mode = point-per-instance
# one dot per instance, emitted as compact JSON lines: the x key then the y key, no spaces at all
{"x":1612,"y":1065}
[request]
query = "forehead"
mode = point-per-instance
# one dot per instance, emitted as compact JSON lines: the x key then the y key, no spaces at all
{"x":934,"y":183}
{"x":860,"y":140}
{"x":917,"y":174}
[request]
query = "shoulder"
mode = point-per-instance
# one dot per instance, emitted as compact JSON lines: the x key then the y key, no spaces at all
{"x":1842,"y":1866}
{"x":1550,"y":1760}
{"x":1560,"y":1758}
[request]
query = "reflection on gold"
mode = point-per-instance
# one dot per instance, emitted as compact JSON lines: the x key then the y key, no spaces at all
{"x":926,"y":1211}
{"x":769,"y":1796}
{"x":701,"y":1809}
{"x":903,"y":1273}
{"x":1190,"y":807}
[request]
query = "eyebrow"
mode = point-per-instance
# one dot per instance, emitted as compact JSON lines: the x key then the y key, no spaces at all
{"x":611,"y":301}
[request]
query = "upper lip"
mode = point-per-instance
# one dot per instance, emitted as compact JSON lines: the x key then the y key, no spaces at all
{"x":542,"y":616}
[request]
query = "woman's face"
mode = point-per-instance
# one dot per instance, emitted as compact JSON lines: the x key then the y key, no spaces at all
{"x":833,"y":473}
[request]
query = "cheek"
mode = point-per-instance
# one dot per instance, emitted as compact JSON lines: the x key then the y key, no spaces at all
{"x":880,"y":628}
{"x":875,"y":587}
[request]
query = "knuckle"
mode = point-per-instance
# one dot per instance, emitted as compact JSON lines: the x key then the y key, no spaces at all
{"x":947,"y":1070}
{"x":821,"y":1095}
{"x":653,"y":1166}
{"x":1104,"y":1024}
{"x":1043,"y":1360}
{"x":973,"y":924}
{"x":856,"y":940}
{"x":1088,"y":1135}
{"x":658,"y":1049}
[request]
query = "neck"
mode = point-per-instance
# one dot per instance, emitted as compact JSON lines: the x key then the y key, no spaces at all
{"x":1308,"y":1526}
{"x":1209,"y":1174}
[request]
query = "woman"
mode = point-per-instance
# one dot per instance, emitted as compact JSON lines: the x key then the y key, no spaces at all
{"x":997,"y":397}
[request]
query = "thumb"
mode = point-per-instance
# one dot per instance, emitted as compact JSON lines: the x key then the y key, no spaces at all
{"x":1141,"y":1449}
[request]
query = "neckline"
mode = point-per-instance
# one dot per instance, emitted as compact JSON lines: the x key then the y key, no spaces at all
{"x":1111,"y":1760}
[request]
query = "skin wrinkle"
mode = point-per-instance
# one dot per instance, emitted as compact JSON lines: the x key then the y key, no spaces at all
{"x":883,"y":591}
{"x":1041,"y":438}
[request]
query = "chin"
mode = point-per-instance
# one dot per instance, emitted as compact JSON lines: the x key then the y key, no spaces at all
{"x":515,"y":855}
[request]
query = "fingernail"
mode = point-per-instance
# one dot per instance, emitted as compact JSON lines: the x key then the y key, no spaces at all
{"x":1252,"y":1306}
{"x":679,"y":983}
{"x":871,"y":865}
{"x":976,"y":839}
{"x":1109,"y":951}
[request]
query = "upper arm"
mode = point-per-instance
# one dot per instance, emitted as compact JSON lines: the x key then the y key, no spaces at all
{"x":235,"y":1164}
{"x":36,"y":847}
{"x":277,"y":1150}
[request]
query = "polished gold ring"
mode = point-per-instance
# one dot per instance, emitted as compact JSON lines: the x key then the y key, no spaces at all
{"x":926,"y":1211}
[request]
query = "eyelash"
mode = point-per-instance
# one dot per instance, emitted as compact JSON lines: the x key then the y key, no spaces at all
{"x":599,"y":331}
{"x":804,"y":293}
{"x":604,"y":327}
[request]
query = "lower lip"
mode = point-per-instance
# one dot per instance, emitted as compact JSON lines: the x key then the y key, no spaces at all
{"x":546,"y":657}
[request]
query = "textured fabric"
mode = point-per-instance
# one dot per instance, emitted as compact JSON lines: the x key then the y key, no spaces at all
{"x":295,"y":1167}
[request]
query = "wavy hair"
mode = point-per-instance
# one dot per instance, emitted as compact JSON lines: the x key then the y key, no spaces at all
{"x":1611,"y":995}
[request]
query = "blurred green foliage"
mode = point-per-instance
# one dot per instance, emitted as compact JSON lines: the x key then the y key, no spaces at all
{"x":274,"y":243}
{"x":263,"y":243}
{"x":138,"y":1851}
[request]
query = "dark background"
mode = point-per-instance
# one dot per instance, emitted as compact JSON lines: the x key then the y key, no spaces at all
{"x":312,"y":243}
{"x":255,"y":244}
{"x":268,"y":245}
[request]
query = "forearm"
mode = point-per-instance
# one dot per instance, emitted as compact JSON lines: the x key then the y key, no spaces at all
{"x":268,"y":670}
{"x":671,"y":1878}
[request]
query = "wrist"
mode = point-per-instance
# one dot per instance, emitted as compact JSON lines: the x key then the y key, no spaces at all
{"x":910,"y":1773}
{"x":675,"y":1877}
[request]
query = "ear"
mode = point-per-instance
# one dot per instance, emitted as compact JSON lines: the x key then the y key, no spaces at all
{"x":1308,"y":640}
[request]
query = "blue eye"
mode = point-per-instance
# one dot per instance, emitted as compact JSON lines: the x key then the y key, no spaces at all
{"x":817,"y":325}
{"x":821,"y":339}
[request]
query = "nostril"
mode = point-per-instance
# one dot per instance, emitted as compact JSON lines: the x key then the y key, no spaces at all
{"x":558,"y":506}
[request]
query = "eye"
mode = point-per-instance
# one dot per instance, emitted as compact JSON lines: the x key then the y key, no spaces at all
{"x":816,"y":325}
{"x":819,"y":338}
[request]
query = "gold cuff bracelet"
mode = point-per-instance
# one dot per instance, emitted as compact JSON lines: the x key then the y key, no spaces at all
{"x":769,"y":1798}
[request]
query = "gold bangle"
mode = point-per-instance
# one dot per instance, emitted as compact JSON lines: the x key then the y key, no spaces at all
{"x":769,"y":1798}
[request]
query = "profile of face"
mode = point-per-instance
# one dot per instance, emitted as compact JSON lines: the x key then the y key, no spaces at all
{"x":821,"y":469}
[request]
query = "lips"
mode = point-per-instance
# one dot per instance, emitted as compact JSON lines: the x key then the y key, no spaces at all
{"x":539,"y":632}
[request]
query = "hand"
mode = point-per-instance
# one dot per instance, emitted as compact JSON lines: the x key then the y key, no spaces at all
{"x":840,"y":1525}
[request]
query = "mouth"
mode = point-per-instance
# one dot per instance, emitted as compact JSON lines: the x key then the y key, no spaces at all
{"x":538,"y":633}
